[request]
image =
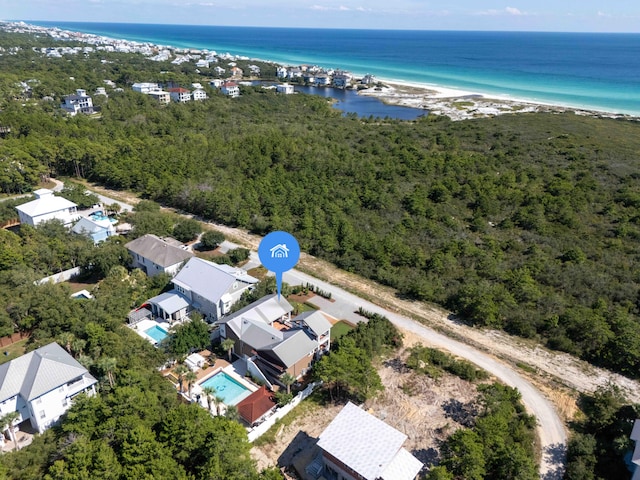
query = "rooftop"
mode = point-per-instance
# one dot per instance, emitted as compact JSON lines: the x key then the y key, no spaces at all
{"x":158,"y":251}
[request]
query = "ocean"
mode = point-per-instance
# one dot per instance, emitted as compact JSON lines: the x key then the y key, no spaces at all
{"x":598,"y":71}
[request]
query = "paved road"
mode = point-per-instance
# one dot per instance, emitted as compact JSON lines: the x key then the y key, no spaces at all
{"x":551,"y":432}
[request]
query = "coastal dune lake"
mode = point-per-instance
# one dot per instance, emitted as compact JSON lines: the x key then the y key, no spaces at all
{"x":350,"y":102}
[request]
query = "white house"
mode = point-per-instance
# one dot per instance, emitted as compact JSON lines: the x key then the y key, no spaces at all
{"x":47,"y":206}
{"x":145,"y":87}
{"x":635,"y":456}
{"x":41,"y":385}
{"x":219,"y":70}
{"x":154,"y":255}
{"x":281,"y":72}
{"x":230,"y":88}
{"x":199,"y":94}
{"x":285,"y":88}
{"x":342,"y":80}
{"x":358,"y":446}
{"x":323,"y":79}
{"x":204,"y":286}
{"x":78,"y":103}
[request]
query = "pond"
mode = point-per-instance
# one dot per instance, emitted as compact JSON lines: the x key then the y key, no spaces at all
{"x":350,"y":102}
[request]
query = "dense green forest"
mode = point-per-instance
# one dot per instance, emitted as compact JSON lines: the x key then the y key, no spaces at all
{"x":527,"y":223}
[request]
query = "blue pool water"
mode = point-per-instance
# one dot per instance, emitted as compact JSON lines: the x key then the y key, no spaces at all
{"x":227,"y":388}
{"x":157,"y":333}
{"x":100,"y":216}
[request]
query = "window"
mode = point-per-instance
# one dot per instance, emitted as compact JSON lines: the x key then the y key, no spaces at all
{"x":39,"y":401}
{"x":42,"y":414}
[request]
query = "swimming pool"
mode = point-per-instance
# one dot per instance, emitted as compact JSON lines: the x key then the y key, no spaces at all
{"x":157,"y":333}
{"x":230,"y":390}
{"x":96,"y":216}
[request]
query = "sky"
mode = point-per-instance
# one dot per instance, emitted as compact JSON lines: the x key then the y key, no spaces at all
{"x":523,"y":15}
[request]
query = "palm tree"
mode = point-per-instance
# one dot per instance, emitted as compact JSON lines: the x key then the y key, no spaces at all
{"x":227,"y":345}
{"x":180,"y":371}
{"x":232,"y":413}
{"x":191,"y":378}
{"x":108,"y":365}
{"x":77,"y":346}
{"x":67,"y":339}
{"x":213,"y":399}
{"x":6,"y":421}
{"x":287,"y":379}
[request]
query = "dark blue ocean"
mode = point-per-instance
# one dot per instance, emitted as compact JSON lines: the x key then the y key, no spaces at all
{"x":589,"y":70}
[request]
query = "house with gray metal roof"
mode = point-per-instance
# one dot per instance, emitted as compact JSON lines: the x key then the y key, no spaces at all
{"x":265,"y":332}
{"x":154,"y":256}
{"x":200,"y":285}
{"x":41,"y":385}
{"x":358,"y":446}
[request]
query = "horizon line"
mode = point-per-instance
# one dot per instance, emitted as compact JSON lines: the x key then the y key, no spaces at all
{"x":330,"y":28}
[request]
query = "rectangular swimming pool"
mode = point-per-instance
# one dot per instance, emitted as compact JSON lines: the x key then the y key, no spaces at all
{"x":230,"y":390}
{"x":157,"y":333}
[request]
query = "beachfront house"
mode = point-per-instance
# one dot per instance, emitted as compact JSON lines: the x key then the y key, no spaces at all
{"x":41,"y":385}
{"x":323,"y":79}
{"x":80,"y":102}
{"x":368,"y":79}
{"x":281,"y":72}
{"x":277,"y":344}
{"x":342,"y":80}
{"x":358,"y":446}
{"x":154,"y":255}
{"x":47,"y":206}
{"x":207,"y":287}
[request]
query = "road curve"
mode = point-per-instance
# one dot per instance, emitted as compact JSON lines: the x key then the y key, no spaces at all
{"x":550,"y":429}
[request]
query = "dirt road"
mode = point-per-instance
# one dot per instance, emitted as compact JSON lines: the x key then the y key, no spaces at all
{"x":494,"y":351}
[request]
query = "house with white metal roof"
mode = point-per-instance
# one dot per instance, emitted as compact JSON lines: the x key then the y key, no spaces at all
{"x":154,"y":255}
{"x":358,"y":446}
{"x":41,"y":385}
{"x":47,"y":206}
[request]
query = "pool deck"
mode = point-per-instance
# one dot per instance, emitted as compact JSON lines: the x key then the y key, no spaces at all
{"x":145,"y":324}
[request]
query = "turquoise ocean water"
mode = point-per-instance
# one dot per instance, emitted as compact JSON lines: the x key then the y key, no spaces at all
{"x":588,"y":70}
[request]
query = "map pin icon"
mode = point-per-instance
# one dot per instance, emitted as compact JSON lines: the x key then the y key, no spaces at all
{"x":279,"y":252}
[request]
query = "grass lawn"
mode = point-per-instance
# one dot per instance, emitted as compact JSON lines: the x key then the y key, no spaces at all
{"x":339,"y":329}
{"x":13,"y":351}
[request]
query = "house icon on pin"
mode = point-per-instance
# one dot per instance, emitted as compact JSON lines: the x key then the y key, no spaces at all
{"x":279,"y":251}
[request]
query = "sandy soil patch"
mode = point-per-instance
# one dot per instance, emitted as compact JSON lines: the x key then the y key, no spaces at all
{"x":426,"y":410}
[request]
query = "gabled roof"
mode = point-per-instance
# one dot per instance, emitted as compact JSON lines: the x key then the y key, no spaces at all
{"x":44,"y":205}
{"x":261,"y":312}
{"x":295,"y":345}
{"x":368,"y":446}
{"x":211,"y":280}
{"x":39,"y":372}
{"x":179,"y":90}
{"x":86,"y":226}
{"x":315,"y":320}
{"x":268,"y":309}
{"x":258,"y":335}
{"x":158,"y":251}
{"x":256,"y":405}
{"x":170,"y":302}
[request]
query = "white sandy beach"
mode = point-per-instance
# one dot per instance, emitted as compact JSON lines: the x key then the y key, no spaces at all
{"x":463,"y":104}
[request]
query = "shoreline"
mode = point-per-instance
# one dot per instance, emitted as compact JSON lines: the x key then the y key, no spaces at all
{"x":457,"y":104}
{"x":460,"y":104}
